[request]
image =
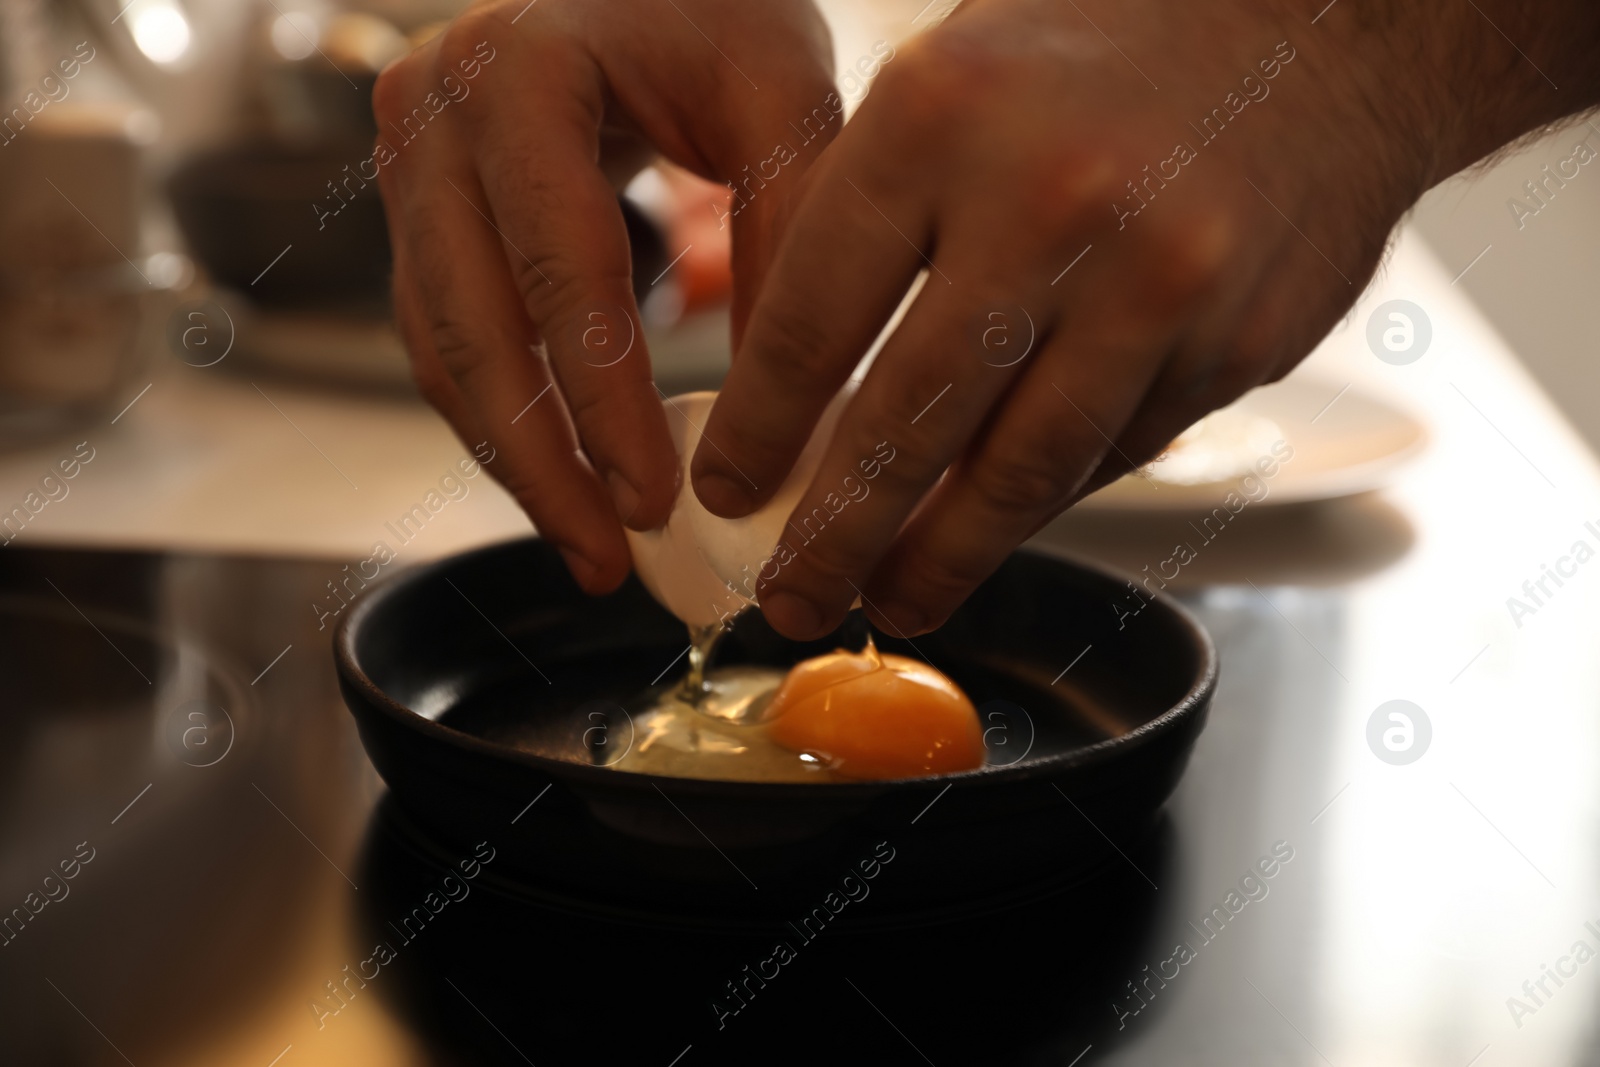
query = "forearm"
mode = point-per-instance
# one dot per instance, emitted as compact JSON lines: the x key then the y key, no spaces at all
{"x":1459,"y":79}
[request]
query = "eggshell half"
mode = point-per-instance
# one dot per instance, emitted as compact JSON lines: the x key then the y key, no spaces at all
{"x":702,"y":567}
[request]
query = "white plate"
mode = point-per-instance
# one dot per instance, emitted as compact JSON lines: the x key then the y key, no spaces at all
{"x":1353,"y":446}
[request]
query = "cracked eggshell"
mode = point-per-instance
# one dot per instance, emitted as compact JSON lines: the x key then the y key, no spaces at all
{"x":690,"y":563}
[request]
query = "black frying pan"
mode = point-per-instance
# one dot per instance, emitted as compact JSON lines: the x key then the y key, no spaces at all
{"x":478,"y":683}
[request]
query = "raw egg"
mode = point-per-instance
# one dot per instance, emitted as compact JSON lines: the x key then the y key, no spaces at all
{"x":872,"y":715}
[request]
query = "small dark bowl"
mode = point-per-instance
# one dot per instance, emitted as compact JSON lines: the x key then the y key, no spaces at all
{"x":240,"y":207}
{"x":476,"y":682}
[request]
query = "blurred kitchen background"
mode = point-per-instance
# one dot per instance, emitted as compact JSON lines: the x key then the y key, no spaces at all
{"x":1540,"y":258}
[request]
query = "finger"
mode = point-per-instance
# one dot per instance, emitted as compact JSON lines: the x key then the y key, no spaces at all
{"x":563,"y":238}
{"x":1237,"y":344}
{"x":472,"y":323}
{"x":1061,"y":420}
{"x":925,"y":397}
{"x":1058,"y":423}
{"x":433,"y":381}
{"x":1191,"y":386}
{"x":849,"y":254}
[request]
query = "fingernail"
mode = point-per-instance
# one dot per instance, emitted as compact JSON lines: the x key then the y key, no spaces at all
{"x":904,"y":620}
{"x":624,"y":497}
{"x":792,"y":615}
{"x":722,"y":496}
{"x":581,"y":569}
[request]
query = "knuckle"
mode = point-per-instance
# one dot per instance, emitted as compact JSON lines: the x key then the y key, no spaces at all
{"x":939,"y":581}
{"x":917,"y":465}
{"x":1191,"y":256}
{"x":902,"y":418}
{"x":464,"y":43}
{"x":1063,"y":185}
{"x":542,"y":290}
{"x":390,"y":91}
{"x":1021,"y":482}
{"x":556,"y":281}
{"x":795,"y":349}
{"x":944,"y":84}
{"x":461,"y":349}
{"x":945,"y":71}
{"x":836,"y":561}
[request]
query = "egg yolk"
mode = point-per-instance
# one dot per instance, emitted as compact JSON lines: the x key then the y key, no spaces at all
{"x":872,"y":715}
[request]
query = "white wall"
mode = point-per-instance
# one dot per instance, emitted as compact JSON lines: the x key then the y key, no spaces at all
{"x":1539,"y":283}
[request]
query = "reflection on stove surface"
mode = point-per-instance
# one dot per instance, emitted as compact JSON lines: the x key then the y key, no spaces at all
{"x":452,"y":949}
{"x":140,"y":740}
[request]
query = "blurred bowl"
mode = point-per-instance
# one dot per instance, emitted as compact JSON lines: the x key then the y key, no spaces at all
{"x":263,"y":219}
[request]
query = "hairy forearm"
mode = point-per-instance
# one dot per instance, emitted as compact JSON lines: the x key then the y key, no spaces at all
{"x":1459,"y":79}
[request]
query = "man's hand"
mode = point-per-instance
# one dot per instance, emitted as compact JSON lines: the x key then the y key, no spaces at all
{"x":1128,"y":214}
{"x":502,"y":143}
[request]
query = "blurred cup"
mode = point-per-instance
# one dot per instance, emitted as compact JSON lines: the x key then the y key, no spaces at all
{"x":73,"y":279}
